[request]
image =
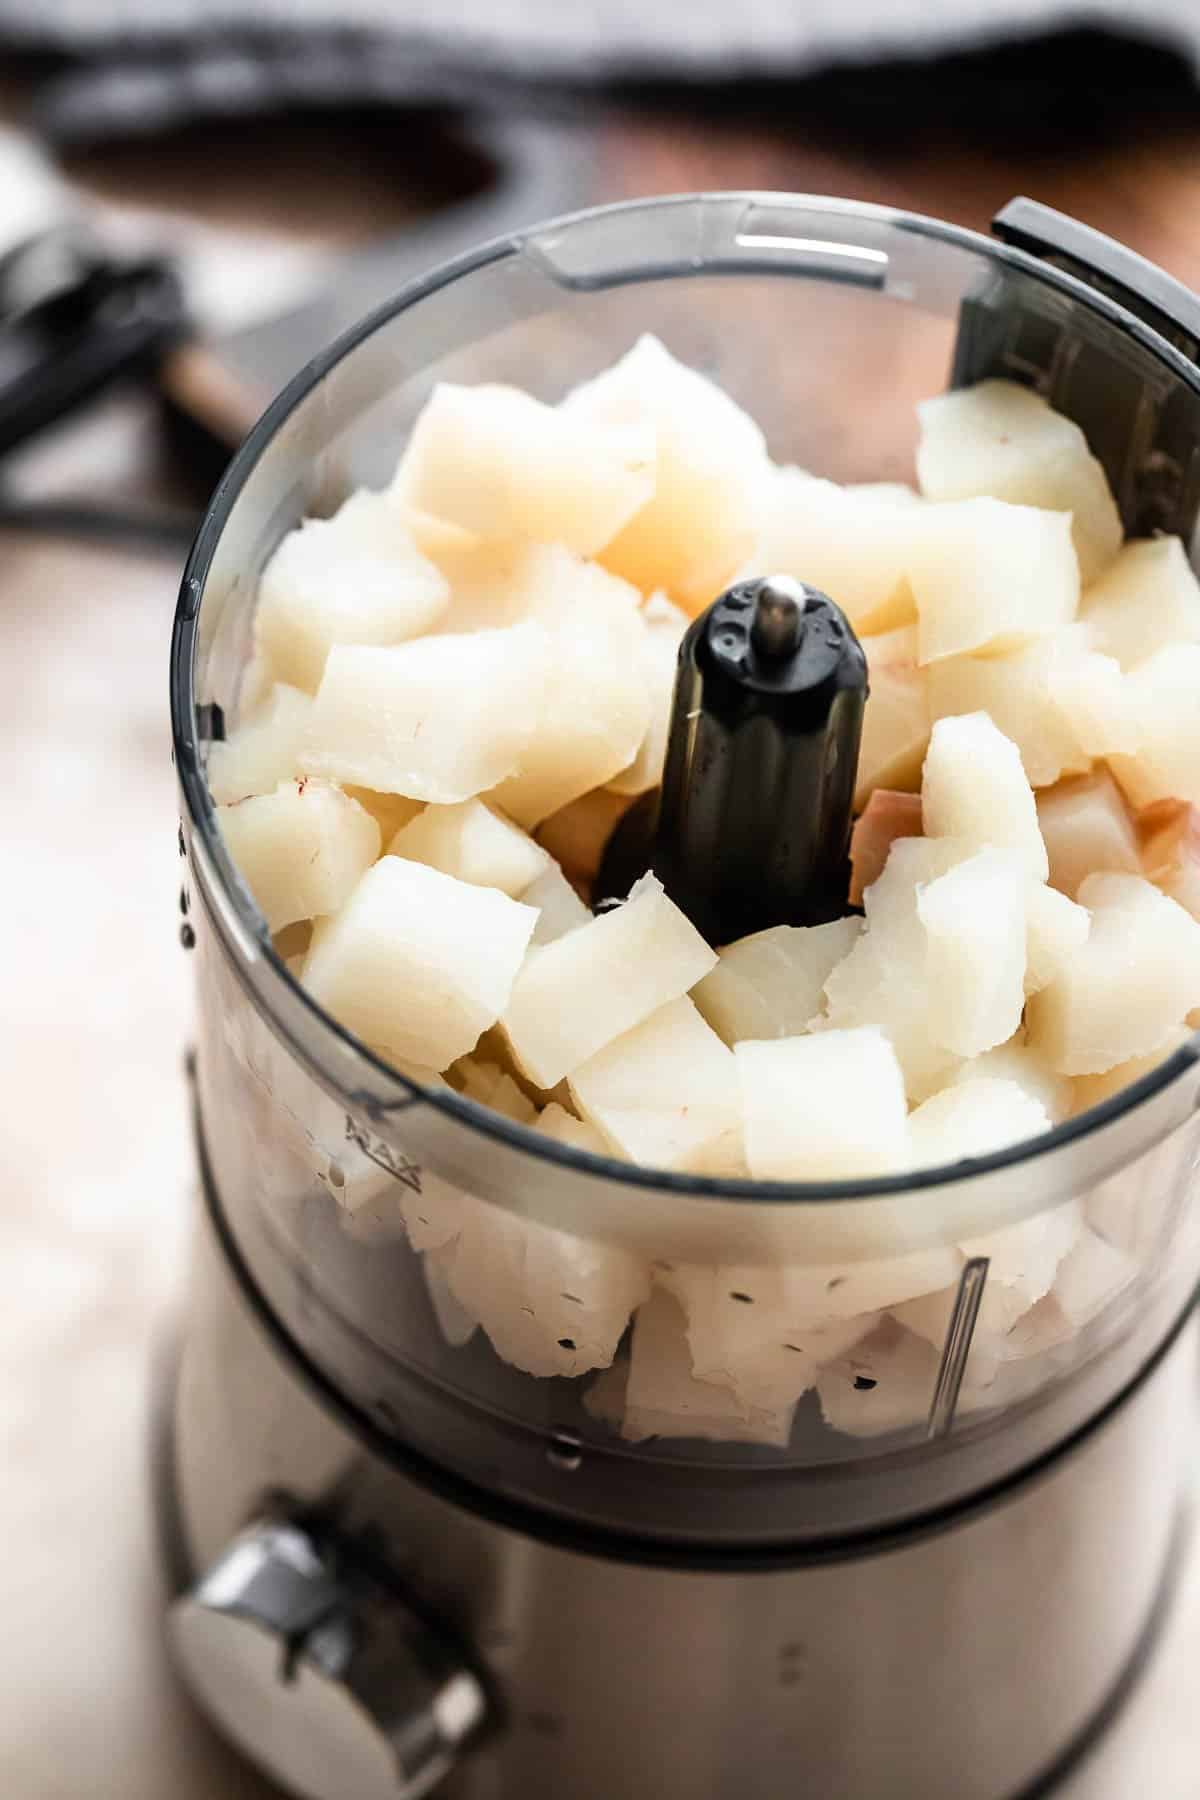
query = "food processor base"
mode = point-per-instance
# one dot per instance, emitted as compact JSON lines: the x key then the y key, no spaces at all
{"x":974,"y":1657}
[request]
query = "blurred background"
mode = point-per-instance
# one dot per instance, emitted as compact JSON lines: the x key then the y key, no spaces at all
{"x":194,"y":196}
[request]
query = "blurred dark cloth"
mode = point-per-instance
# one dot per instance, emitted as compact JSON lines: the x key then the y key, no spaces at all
{"x":144,"y":64}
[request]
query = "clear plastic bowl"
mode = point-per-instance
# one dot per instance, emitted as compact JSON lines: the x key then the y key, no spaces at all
{"x":343,"y":1191}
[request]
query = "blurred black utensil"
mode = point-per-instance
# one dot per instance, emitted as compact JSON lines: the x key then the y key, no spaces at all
{"x":73,"y":319}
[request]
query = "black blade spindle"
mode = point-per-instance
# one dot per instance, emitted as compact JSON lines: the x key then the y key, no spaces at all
{"x":751,"y":826}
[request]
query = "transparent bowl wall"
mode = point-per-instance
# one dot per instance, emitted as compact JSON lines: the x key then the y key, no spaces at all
{"x":346,"y":1193}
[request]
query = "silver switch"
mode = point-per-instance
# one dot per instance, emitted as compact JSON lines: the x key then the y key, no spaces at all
{"x":322,"y":1672}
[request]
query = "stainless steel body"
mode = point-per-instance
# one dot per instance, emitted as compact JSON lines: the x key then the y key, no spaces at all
{"x":960,"y":1660}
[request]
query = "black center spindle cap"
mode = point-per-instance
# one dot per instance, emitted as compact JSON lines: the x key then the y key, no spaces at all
{"x":778,"y":616}
{"x":751,"y":826}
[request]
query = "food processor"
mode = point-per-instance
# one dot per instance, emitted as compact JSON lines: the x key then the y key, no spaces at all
{"x":401,"y":1562}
